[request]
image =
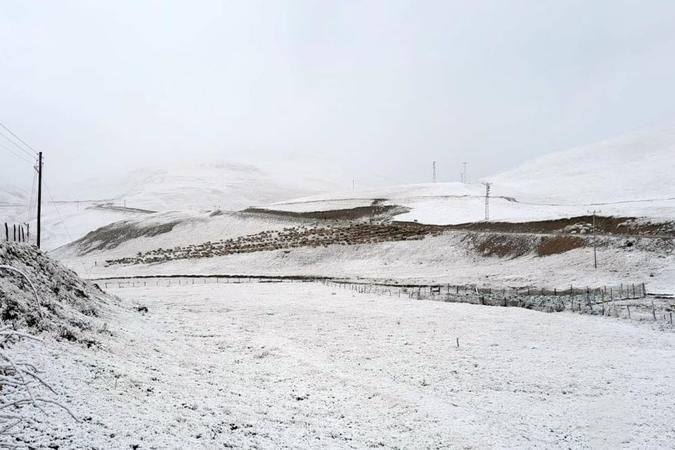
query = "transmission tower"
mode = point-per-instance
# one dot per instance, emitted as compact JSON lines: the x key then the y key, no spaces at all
{"x":487,"y":201}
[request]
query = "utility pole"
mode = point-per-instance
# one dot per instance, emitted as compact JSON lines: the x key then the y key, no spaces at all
{"x":487,"y":201}
{"x":595,"y":252}
{"x":39,"y":201}
{"x":434,"y":171}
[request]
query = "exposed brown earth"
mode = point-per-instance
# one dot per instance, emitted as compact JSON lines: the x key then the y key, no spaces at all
{"x":111,"y":236}
{"x":630,"y":226}
{"x":558,"y":244}
{"x":361,"y":212}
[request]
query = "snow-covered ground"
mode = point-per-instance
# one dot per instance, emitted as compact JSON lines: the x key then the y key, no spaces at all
{"x":308,"y":366}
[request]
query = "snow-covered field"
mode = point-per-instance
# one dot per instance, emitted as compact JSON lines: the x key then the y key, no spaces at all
{"x":301,"y":365}
{"x":445,"y":258}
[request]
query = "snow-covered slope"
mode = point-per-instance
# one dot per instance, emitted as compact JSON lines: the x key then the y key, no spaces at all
{"x":636,"y":167}
{"x":628,"y":176}
{"x":168,"y":230}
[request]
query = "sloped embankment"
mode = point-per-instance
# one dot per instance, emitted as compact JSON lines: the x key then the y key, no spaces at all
{"x":289,"y":238}
{"x":66,"y":304}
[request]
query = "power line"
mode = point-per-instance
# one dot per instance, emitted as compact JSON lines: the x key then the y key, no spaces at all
{"x":17,"y":155}
{"x":16,"y":146}
{"x":20,"y":140}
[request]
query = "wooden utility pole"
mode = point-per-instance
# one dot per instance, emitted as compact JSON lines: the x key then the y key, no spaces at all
{"x":39,"y":201}
{"x":595,"y":253}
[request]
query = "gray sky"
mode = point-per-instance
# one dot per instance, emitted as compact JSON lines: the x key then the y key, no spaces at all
{"x":379,"y":89}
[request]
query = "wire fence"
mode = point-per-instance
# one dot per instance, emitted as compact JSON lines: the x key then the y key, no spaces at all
{"x":627,"y":301}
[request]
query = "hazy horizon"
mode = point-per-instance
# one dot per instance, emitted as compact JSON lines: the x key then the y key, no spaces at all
{"x":373,"y":91}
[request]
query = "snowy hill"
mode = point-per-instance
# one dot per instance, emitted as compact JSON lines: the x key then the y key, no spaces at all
{"x":196,"y":186}
{"x":635,"y":167}
{"x":70,"y":212}
{"x":628,"y":176}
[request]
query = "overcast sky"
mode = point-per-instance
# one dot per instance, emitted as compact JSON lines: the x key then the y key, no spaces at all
{"x":378,"y":89}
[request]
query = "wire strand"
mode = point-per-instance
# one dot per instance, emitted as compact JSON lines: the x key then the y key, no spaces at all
{"x":20,"y":140}
{"x":17,"y":155}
